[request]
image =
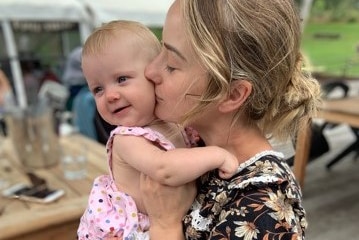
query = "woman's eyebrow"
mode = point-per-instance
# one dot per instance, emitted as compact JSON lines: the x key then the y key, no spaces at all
{"x":174,"y":50}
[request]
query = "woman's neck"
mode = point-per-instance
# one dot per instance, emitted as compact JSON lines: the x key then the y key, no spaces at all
{"x":243,"y":142}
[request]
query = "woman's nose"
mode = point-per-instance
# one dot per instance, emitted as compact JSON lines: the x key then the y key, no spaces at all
{"x":152,"y":71}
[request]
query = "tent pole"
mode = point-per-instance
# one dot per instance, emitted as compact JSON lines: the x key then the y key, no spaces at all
{"x":14,"y":64}
{"x":305,"y":11}
{"x":85,"y":31}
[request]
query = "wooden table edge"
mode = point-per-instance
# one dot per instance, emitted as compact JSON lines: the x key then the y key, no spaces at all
{"x":69,"y":210}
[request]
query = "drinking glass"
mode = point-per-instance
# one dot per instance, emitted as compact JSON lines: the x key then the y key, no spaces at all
{"x":74,"y":165}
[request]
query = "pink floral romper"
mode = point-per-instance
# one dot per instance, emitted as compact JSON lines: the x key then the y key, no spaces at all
{"x":111,"y":212}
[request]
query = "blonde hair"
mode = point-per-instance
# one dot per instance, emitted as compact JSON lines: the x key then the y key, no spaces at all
{"x":99,"y":38}
{"x":257,"y":41}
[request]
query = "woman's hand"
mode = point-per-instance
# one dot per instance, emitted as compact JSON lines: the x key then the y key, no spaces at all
{"x":166,"y":206}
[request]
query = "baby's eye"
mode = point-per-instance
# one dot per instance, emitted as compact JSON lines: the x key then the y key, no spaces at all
{"x":122,"y":79}
{"x":96,"y":90}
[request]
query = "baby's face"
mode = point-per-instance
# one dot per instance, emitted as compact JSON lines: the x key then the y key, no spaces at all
{"x":116,"y":78}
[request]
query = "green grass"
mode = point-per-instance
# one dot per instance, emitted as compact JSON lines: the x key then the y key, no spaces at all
{"x":334,"y":57}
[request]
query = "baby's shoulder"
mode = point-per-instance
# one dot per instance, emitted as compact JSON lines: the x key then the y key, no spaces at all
{"x":148,"y":133}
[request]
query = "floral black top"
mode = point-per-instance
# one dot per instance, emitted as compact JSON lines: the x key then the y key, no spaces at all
{"x":262,"y":201}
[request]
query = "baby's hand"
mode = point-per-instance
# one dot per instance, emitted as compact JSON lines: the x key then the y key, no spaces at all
{"x":229,"y":166}
{"x":193,"y":136}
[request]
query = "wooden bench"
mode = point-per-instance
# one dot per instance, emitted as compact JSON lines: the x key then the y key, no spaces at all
{"x":324,"y":35}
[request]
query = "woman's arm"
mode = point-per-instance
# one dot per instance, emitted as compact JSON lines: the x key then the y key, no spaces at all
{"x":174,"y":167}
{"x":166,"y":207}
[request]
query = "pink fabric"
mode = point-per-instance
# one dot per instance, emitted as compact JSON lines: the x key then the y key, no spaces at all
{"x":111,"y":212}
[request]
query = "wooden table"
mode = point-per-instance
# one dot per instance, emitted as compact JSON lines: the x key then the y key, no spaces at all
{"x":336,"y":111}
{"x":58,"y":220}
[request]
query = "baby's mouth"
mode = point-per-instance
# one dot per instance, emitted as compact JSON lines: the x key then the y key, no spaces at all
{"x":119,"y":109}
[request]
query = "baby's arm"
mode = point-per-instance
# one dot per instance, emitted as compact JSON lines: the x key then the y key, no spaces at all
{"x":174,"y":167}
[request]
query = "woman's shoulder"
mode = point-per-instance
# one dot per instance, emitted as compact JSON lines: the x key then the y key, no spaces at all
{"x":268,"y":167}
{"x":268,"y":172}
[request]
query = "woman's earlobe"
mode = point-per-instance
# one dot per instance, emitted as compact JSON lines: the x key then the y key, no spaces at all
{"x":240,"y":91}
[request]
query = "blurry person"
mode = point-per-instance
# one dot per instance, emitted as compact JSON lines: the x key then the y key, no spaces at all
{"x":73,"y":77}
{"x":6,"y":98}
{"x":5,"y":89}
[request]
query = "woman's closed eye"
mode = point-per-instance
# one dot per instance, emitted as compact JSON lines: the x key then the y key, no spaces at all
{"x":170,"y":69}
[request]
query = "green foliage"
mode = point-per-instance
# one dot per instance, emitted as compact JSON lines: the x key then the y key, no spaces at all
{"x":335,"y":11}
{"x":157,"y":31}
{"x":330,"y":55}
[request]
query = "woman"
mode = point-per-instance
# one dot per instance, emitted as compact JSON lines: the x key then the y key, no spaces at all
{"x":232,"y":70}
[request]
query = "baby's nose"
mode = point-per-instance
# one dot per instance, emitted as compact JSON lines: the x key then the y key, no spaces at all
{"x":112,"y":95}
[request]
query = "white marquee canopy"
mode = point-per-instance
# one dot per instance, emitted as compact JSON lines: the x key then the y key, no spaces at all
{"x":151,"y":13}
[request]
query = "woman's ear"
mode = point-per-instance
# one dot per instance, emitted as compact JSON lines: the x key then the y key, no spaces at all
{"x":240,"y":91}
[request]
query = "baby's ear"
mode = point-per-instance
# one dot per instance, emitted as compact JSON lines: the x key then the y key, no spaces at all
{"x":240,"y":91}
